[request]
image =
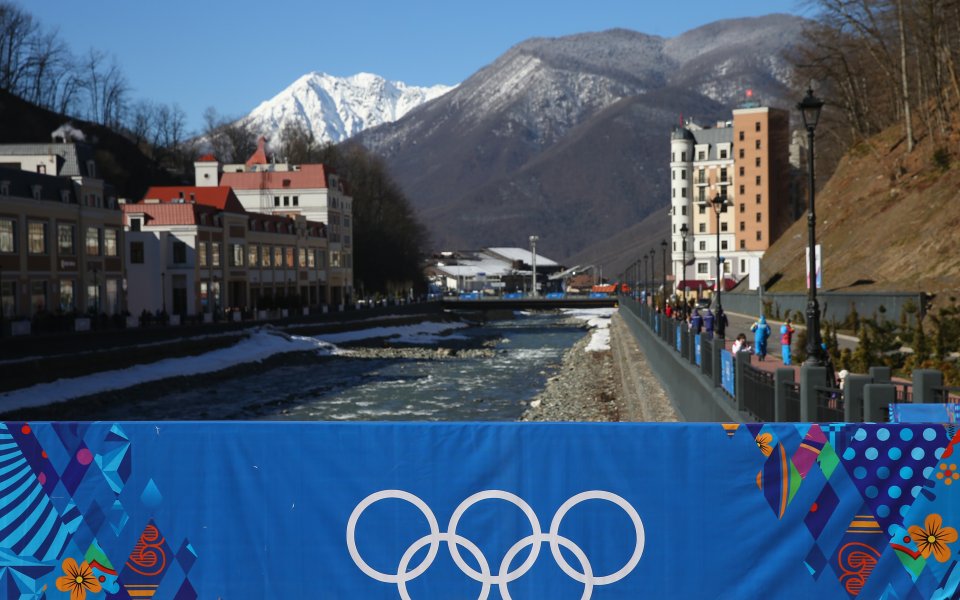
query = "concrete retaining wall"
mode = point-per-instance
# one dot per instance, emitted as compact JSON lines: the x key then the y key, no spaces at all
{"x":834,"y":306}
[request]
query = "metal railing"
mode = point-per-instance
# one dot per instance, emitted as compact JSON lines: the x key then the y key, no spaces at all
{"x":947,"y":394}
{"x":758,"y":393}
{"x":706,"y":356}
{"x":792,"y":396}
{"x":829,"y":405}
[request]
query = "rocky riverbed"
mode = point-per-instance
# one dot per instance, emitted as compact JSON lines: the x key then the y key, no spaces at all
{"x":606,"y":385}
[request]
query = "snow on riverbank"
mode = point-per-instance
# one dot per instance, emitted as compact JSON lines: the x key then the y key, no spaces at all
{"x":259,"y":345}
{"x":597,"y":319}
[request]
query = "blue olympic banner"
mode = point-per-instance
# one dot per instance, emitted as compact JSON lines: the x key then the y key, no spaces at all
{"x":696,"y":346}
{"x":726,"y":372}
{"x":409,"y":510}
{"x":678,"y":337}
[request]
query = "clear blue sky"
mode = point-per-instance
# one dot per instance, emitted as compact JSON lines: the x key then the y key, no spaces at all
{"x":234,"y":55}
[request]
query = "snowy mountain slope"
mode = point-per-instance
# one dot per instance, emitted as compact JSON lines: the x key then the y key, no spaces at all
{"x":336,"y":108}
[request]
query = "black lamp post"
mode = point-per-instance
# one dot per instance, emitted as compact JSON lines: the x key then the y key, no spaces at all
{"x":810,"y":108}
{"x":1,"y":300}
{"x":663,"y":294}
{"x":645,"y":259}
{"x":653,"y":274}
{"x":684,"y":232}
{"x":719,"y":206}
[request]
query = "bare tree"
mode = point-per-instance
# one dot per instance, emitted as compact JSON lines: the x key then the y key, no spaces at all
{"x":16,"y":30}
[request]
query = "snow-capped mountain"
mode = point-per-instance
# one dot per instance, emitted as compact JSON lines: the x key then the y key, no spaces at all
{"x":336,"y":108}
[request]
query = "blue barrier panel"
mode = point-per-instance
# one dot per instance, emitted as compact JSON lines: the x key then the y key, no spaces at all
{"x":924,"y":413}
{"x":726,"y":372}
{"x":556,"y":296}
{"x":419,"y":510}
{"x":697,"y":348}
{"x":678,"y":338}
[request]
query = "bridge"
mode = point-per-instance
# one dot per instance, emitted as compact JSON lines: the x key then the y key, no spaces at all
{"x":528,"y":303}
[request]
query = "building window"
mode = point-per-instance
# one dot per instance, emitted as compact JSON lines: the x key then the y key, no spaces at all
{"x":265,"y":256}
{"x":673,"y":193}
{"x":703,"y":228}
{"x":743,"y":265}
{"x":759,"y":236}
{"x":743,"y":189}
{"x":683,"y":192}
{"x":741,"y":136}
{"x":701,"y":155}
{"x":93,"y":241}
{"x":8,"y":297}
{"x":135,"y":224}
{"x":683,"y":210}
{"x":65,"y":241}
{"x":37,"y":237}
{"x":236,"y":256}
{"x":296,"y":200}
{"x":109,"y":241}
{"x":253,"y":258}
{"x":758,"y":144}
{"x":759,"y":217}
{"x":335,"y":258}
{"x":703,"y":209}
{"x":723,"y":153}
{"x":723,"y":244}
{"x":741,"y":172}
{"x":277,"y":256}
{"x":758,"y":180}
{"x":723,"y":174}
{"x":289,"y":257}
{"x":136,"y":253}
{"x":743,"y":207}
{"x":38,"y":295}
{"x":674,"y":246}
{"x":202,"y":253}
{"x":67,"y":295}
{"x":758,"y":161}
{"x":743,"y":225}
{"x":683,"y":173}
{"x":702,"y":194}
{"x":683,"y":158}
{"x":215,"y":254}
{"x":757,"y":126}
{"x":758,"y":198}
{"x":179,"y":253}
{"x":702,"y":176}
{"x":703,"y":245}
{"x":303,"y":258}
{"x":723,"y":226}
{"x":8,"y":236}
{"x":276,"y":200}
{"x":743,"y":244}
{"x":701,"y":267}
{"x":286,"y":200}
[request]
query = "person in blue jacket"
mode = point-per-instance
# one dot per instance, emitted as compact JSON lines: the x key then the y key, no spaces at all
{"x":696,"y":321}
{"x":708,"y":322}
{"x":761,"y":333}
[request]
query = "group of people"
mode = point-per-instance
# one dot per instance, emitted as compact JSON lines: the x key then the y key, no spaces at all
{"x":761,"y":334}
{"x":706,"y":322}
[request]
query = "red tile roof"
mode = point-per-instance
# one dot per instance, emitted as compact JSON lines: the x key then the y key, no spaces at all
{"x":221,"y":197}
{"x":259,"y":157}
{"x":207,"y":158}
{"x":308,"y":177}
{"x":167,"y":214}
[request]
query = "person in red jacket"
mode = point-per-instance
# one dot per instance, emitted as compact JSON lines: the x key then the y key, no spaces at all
{"x":786,"y":337}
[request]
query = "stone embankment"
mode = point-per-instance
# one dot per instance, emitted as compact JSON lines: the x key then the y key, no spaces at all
{"x":606,"y":385}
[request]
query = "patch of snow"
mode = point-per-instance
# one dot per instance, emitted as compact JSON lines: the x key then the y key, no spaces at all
{"x":600,"y":340}
{"x":419,"y":333}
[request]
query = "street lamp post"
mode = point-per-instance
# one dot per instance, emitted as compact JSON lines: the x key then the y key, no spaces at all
{"x":684,"y":231}
{"x":645,"y":259}
{"x":533,"y":264}
{"x":653,"y":274}
{"x":663,"y":294}
{"x":719,"y":206}
{"x":810,"y":108}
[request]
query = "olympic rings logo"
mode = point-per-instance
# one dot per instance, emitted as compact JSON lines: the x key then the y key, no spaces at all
{"x":504,"y":575}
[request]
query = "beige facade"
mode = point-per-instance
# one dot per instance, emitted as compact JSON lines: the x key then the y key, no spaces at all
{"x":61,"y":242}
{"x":744,"y":160}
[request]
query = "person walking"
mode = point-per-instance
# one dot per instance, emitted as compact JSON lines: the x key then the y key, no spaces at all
{"x":696,"y":322}
{"x":708,"y":322}
{"x":761,"y":333}
{"x":786,"y":338}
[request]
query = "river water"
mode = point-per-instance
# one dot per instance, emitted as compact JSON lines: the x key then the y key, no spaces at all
{"x":527,"y":351}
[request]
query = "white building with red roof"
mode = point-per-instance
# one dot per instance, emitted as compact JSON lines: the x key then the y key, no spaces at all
{"x":309,"y":190}
{"x":196,"y":250}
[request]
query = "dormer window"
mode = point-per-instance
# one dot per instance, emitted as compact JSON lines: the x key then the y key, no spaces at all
{"x":136,"y":223}
{"x":36,"y":190}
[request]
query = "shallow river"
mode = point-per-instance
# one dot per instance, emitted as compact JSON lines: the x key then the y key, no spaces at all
{"x":497,"y":388}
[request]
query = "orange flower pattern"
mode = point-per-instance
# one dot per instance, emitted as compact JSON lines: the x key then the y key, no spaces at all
{"x":78,"y":579}
{"x":948,"y":473}
{"x":764,"y":442}
{"x":933,"y":537}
